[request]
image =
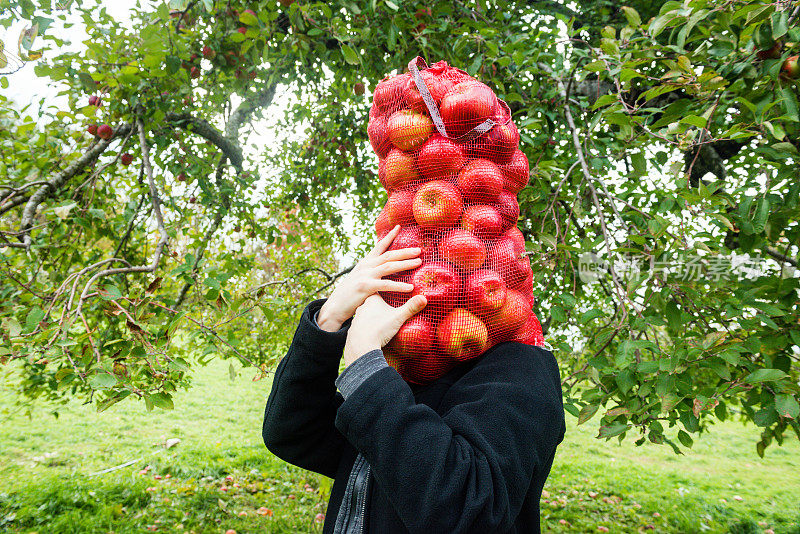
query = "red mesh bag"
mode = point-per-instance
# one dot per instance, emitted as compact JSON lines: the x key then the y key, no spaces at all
{"x":449,"y":159}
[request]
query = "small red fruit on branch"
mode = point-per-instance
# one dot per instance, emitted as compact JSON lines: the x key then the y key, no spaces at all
{"x":791,"y":68}
{"x":209,"y":52}
{"x":358,"y":88}
{"x":105,"y":132}
{"x":126,"y":159}
{"x":92,"y":129}
{"x":773,"y":52}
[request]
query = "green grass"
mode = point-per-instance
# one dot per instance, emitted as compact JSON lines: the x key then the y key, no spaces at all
{"x":47,"y":464}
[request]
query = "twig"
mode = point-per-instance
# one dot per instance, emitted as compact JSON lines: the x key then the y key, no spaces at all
{"x":156,"y":203}
{"x":59,"y":179}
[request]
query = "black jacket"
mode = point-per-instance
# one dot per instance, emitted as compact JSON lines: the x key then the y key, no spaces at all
{"x":469,"y":452}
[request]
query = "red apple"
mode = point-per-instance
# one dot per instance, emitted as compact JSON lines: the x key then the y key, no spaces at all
{"x":399,"y":207}
{"x":126,"y":159}
{"x":437,"y":205}
{"x":398,"y":298}
{"x":462,"y":249}
{"x":774,"y":52}
{"x":517,"y":238}
{"x":504,"y":257}
{"x":242,"y":30}
{"x":508,"y":207}
{"x":439,"y":157}
{"x":93,"y":100}
{"x":414,"y":339}
{"x":486,"y":292}
{"x":483,"y":221}
{"x":437,"y":87}
{"x":208,"y":52}
{"x":358,"y":88}
{"x":516,"y":173}
{"x":408,"y":237}
{"x":467,"y":105}
{"x":194,"y":73}
{"x":530,"y":333}
{"x":105,"y":132}
{"x":408,"y":129}
{"x":439,"y":282}
{"x":378,"y":136}
{"x":480,"y":181}
{"x":524,"y":284}
{"x":399,"y":169}
{"x":181,"y":177}
{"x":388,"y":95}
{"x":461,"y":335}
{"x":506,"y":322}
{"x":791,"y":68}
{"x":382,"y":224}
{"x":497,"y":145}
{"x":92,"y":129}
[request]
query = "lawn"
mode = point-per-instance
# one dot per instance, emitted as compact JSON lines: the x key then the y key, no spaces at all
{"x":221,"y":477}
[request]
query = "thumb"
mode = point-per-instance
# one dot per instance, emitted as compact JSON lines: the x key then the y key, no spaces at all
{"x":413,"y":306}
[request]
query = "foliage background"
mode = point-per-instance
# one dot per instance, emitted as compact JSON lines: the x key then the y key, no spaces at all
{"x":655,"y":130}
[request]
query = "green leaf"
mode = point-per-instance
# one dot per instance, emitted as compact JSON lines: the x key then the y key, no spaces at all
{"x":589,"y":315}
{"x":587,"y":412}
{"x":764,"y":375}
{"x":685,"y":438}
{"x":248,"y":18}
{"x":609,"y":431}
{"x":632,"y":16}
{"x":350,"y":55}
{"x":787,"y":406}
{"x":162,"y":400}
{"x":110,"y":292}
{"x":35,"y":315}
{"x":789,"y":101}
{"x":102,"y":380}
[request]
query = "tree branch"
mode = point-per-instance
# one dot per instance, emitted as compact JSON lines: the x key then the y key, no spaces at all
{"x":156,"y":204}
{"x":207,"y":131}
{"x":53,"y":184}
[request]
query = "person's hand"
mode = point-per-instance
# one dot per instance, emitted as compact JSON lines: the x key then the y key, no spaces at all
{"x":366,"y":279}
{"x":376,"y":323}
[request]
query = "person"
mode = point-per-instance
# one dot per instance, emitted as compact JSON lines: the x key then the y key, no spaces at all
{"x":466,"y":453}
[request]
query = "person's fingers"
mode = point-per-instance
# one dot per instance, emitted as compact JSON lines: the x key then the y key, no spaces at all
{"x":400,"y":254}
{"x":397,"y":266}
{"x":392,"y":285}
{"x":413,"y":306}
{"x":385,"y":243}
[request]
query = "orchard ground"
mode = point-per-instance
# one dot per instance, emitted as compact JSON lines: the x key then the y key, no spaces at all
{"x":221,"y":477}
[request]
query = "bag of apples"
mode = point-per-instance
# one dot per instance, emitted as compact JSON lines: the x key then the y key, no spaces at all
{"x":449,"y":159}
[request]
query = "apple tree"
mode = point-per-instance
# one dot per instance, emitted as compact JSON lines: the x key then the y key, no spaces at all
{"x":661,"y":217}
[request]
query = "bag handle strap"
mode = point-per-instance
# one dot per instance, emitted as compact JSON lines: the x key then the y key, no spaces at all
{"x":414,"y":68}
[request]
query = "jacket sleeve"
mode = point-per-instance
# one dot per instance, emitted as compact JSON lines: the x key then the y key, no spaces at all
{"x":301,"y":409}
{"x":469,"y":469}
